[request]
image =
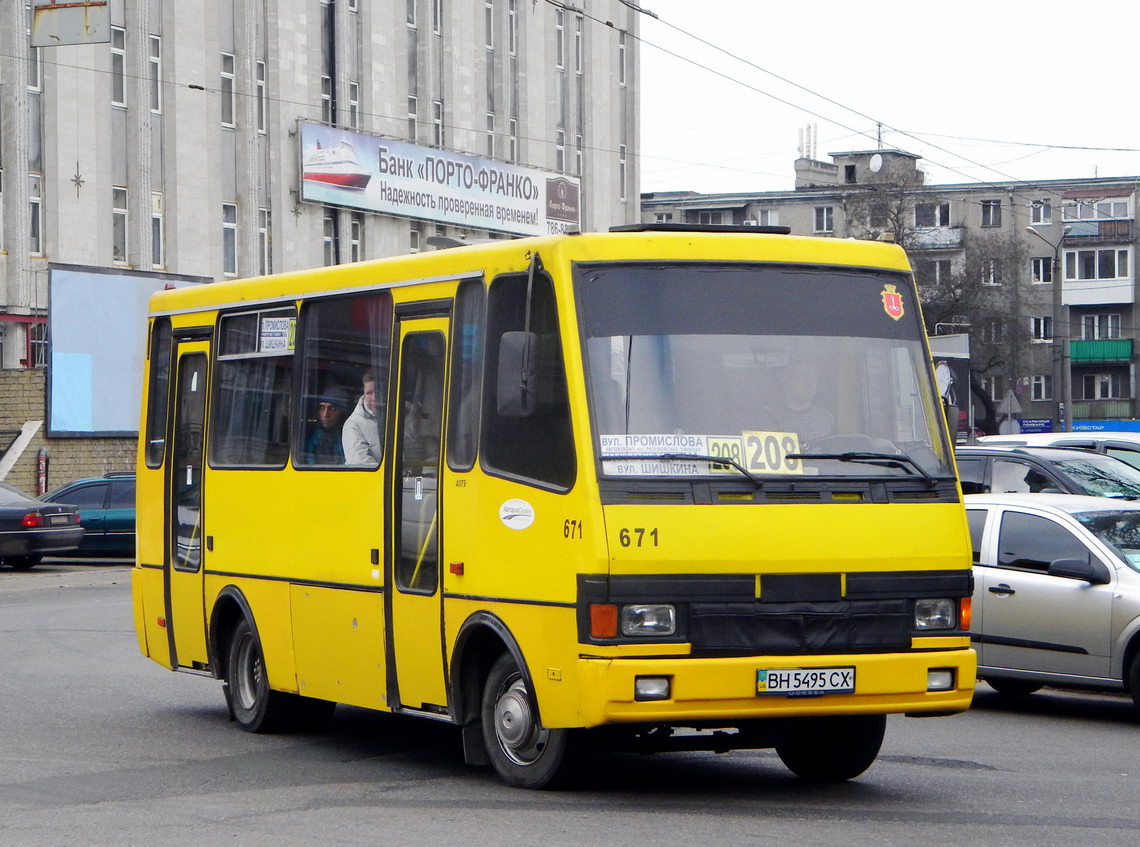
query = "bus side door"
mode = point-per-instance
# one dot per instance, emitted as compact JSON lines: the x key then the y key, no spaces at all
{"x":185,"y":612}
{"x":414,"y":586}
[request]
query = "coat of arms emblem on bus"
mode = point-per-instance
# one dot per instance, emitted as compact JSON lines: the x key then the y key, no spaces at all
{"x":892,"y":301}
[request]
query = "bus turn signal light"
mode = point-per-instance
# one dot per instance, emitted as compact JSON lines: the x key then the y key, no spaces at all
{"x":967,"y":611}
{"x":603,"y":621}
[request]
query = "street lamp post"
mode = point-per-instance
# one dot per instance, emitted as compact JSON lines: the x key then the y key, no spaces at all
{"x":1064,"y":387}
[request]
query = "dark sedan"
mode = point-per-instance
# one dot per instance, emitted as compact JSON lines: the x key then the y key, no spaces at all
{"x":30,"y":529}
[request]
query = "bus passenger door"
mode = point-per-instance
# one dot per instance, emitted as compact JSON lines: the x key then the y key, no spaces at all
{"x":413,"y":578}
{"x":185,"y":614}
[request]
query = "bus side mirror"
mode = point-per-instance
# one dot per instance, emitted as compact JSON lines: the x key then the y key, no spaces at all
{"x":515,"y":395}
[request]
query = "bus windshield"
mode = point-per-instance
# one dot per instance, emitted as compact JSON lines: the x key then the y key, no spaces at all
{"x":777,"y":369}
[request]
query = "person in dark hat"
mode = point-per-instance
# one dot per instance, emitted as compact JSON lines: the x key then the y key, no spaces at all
{"x":323,"y":446}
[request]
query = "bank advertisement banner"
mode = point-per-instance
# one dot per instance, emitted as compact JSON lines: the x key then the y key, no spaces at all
{"x":360,"y":171}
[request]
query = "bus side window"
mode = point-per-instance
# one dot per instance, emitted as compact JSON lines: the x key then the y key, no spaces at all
{"x":466,"y":374}
{"x":538,"y":446}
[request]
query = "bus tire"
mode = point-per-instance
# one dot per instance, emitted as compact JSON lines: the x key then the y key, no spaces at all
{"x":833,"y":749}
{"x":255,"y":706}
{"x":522,"y":751}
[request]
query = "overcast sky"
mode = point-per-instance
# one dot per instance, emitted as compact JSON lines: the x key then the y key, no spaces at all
{"x":983,"y":91}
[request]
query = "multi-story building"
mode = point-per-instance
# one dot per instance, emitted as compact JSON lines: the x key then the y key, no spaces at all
{"x":1040,"y":275}
{"x":200,"y":141}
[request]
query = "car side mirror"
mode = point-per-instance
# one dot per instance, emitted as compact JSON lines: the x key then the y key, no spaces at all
{"x":1092,"y":572}
{"x":515,"y":389}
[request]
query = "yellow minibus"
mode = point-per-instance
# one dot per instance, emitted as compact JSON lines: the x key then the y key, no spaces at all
{"x":660,"y":488}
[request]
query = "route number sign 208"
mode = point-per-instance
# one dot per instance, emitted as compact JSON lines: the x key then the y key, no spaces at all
{"x":758,"y":452}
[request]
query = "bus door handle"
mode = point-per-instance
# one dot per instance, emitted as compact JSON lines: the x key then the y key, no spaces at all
{"x":1001,"y":589}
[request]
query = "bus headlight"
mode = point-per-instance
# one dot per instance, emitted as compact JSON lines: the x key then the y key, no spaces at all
{"x":934,"y":614}
{"x":656,"y":619}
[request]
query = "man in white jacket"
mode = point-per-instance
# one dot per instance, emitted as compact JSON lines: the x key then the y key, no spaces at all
{"x":361,"y":434}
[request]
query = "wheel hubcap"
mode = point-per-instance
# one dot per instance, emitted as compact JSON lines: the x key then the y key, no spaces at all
{"x":520,"y":736}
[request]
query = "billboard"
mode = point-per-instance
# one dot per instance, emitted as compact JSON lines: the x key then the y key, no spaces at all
{"x":97,"y":321}
{"x":345,"y":168}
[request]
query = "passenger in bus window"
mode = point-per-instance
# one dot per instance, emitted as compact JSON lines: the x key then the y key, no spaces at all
{"x":361,"y":436}
{"x":799,"y":410}
{"x":323,"y":445}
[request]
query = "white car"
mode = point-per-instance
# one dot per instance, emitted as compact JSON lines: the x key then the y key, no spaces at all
{"x":1122,"y":445}
{"x":1056,"y":591}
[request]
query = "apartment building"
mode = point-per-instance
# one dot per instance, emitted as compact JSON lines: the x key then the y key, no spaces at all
{"x":202,"y":140}
{"x":1039,"y":275}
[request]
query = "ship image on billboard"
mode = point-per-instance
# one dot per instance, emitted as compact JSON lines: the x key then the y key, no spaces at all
{"x":360,"y":171}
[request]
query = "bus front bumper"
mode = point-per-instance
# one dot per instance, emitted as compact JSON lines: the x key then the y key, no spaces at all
{"x":725,"y":689}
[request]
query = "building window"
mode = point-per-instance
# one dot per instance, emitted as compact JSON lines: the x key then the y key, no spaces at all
{"x":1095,"y":210}
{"x":227,"y":92}
{"x":415,"y":238}
{"x":1042,"y":387}
{"x":512,"y":27}
{"x":118,"y":67}
{"x":849,"y":174}
{"x":577,"y":155}
{"x":35,"y":200}
{"x":1111,"y":263}
{"x":934,"y":271}
{"x":119,"y":224}
{"x":992,"y":385}
{"x":560,"y":151}
{"x":413,"y":107}
{"x":824,"y":219}
{"x":356,"y":237}
{"x":229,"y":239}
{"x":1041,"y":269}
{"x":490,"y":135}
{"x":709,"y":218}
{"x":489,"y":24}
{"x":1100,"y":327}
{"x":437,"y":122}
{"x":354,"y":105}
{"x":1102,"y":386}
{"x":38,"y":341}
{"x":262,"y":104}
{"x":1041,"y":328}
{"x":663,"y":217}
{"x":154,"y":68}
{"x":578,"y":48}
{"x":411,"y":11}
{"x":329,"y":237}
{"x":326,"y":98}
{"x":621,"y":58}
{"x":559,"y":38}
{"x":993,"y":330}
{"x":157,"y":239}
{"x":1041,"y":212}
{"x":264,"y":241}
{"x":991,"y":213}
{"x":621,"y":172}
{"x":437,"y":16}
{"x":931,"y":214}
{"x":991,"y":272}
{"x":513,"y":139}
{"x":767,"y":217}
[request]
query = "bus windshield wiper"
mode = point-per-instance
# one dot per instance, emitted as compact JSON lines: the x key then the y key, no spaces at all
{"x":897,"y":460}
{"x":684,"y":457}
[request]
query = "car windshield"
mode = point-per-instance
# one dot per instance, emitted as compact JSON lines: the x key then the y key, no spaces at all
{"x":765,"y":366}
{"x":1119,"y":530}
{"x":1102,"y":476}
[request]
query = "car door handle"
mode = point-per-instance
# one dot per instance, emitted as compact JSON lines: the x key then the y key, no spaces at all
{"x":1000,"y":589}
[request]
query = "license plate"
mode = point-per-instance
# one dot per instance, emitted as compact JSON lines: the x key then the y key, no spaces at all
{"x":57,"y":520}
{"x":805,"y":682}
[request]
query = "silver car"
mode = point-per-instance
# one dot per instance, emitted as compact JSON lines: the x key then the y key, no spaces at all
{"x":1056,"y":591}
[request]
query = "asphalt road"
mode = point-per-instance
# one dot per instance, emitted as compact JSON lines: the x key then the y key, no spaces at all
{"x":99,"y":746}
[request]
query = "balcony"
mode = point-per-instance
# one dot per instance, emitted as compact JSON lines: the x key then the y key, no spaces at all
{"x":1116,"y":350}
{"x":1099,"y":232}
{"x":1119,"y":409}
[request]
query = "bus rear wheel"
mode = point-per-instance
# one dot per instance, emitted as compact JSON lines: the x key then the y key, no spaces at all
{"x":255,"y":706}
{"x":833,"y":749}
{"x":524,"y":753}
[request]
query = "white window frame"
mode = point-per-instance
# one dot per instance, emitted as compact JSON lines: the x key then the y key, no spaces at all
{"x":328,"y":239}
{"x":993,"y":331}
{"x":436,"y":16}
{"x":1104,"y":386}
{"x":326,"y":99}
{"x":1041,"y":387}
{"x":35,"y":201}
{"x":229,"y":240}
{"x":560,"y":150}
{"x":767,"y":217}
{"x":1041,"y":329}
{"x":622,"y":169}
{"x":824,"y":219}
{"x":38,"y":343}
{"x":119,"y":230}
{"x":1100,"y":327}
{"x":991,"y":213}
{"x":157,"y":230}
{"x":991,"y":272}
{"x":438,"y":135}
{"x":940,"y":214}
{"x":413,"y":116}
{"x":992,"y":385}
{"x":354,"y":104}
{"x":118,"y":67}
{"x":265,"y":240}
{"x":262,"y":99}
{"x":1041,"y":212}
{"x":1107,"y":209}
{"x":411,"y":13}
{"x":1041,"y":270}
{"x":621,"y":58}
{"x":1121,"y":261}
{"x":356,"y":237}
{"x":229,"y":106}
{"x":489,"y":23}
{"x":154,"y":68}
{"x":560,"y":38}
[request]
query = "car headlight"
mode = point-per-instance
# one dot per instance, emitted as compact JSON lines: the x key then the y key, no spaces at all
{"x":935,"y":614}
{"x":646,"y":619}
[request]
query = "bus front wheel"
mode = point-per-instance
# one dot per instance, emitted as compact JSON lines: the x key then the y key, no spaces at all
{"x":525,"y":754}
{"x":833,"y":749}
